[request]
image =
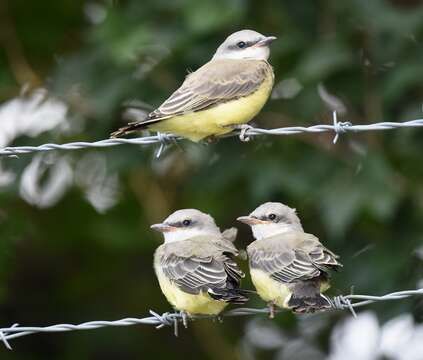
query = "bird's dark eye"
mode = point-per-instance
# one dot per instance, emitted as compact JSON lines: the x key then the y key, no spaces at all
{"x":186,"y":222}
{"x":272,"y":217}
{"x":241,"y":44}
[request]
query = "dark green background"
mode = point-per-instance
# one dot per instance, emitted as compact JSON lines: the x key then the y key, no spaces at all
{"x":363,"y":197}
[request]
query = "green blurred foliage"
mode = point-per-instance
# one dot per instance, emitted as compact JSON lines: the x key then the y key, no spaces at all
{"x":363,"y":197}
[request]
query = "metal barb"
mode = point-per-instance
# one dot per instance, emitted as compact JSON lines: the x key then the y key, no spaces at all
{"x":168,"y":319}
{"x":341,"y":302}
{"x":3,"y":338}
{"x":164,"y":141}
{"x":246,"y":133}
{"x":339,"y":127}
{"x":12,"y":154}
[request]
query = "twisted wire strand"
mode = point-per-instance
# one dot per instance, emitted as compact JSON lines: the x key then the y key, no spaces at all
{"x":341,"y":302}
{"x":338,"y":128}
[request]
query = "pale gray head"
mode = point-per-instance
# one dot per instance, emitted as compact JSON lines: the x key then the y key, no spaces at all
{"x":245,"y":44}
{"x":185,"y":224}
{"x":272,"y":218}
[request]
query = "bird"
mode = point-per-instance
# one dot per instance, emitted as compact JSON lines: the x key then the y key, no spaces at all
{"x":196,"y":266}
{"x":222,"y":95}
{"x":288,"y":267}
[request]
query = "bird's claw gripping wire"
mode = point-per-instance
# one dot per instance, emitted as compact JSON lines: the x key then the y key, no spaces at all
{"x":243,"y":129}
{"x":184,"y":317}
{"x":337,"y":127}
{"x":243,"y":136}
{"x":169,"y":319}
{"x":271,"y":306}
{"x":219,"y":319}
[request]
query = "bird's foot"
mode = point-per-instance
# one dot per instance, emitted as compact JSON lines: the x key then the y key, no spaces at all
{"x":243,"y":131}
{"x":303,"y":310}
{"x":219,"y":319}
{"x":175,"y":326}
{"x":184,"y":316}
{"x":210,"y":140}
{"x":271,"y":306}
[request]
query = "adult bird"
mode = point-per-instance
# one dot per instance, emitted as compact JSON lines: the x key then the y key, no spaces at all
{"x":288,"y":267}
{"x":220,"y":96}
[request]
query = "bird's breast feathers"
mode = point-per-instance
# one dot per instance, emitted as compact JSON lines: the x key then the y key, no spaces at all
{"x":200,"y":303}
{"x":270,"y":289}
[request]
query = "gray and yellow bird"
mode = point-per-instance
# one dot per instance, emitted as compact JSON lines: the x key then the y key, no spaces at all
{"x":195,"y":266}
{"x":288,"y":267}
{"x":226,"y":92}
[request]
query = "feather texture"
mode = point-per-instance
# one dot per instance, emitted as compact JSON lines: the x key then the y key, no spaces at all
{"x":200,"y":267}
{"x":291,"y":257}
{"x":217,"y":83}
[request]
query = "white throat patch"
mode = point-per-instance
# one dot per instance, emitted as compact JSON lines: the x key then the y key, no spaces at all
{"x":253,"y":53}
{"x":186,"y":234}
{"x":261,"y":231}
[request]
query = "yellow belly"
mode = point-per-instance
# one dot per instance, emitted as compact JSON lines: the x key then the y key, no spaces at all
{"x":192,"y":304}
{"x":214,"y":121}
{"x":269,"y":289}
{"x":272,"y":290}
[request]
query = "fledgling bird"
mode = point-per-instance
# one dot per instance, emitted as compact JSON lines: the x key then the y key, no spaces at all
{"x":195,"y":266}
{"x":288,"y":267}
{"x":226,"y":92}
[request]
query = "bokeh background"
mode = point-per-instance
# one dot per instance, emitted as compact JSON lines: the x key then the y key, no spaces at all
{"x":75,"y":243}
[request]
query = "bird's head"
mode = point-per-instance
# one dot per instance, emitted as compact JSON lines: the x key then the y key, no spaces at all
{"x":272,"y":218}
{"x":185,"y":224}
{"x":245,"y":44}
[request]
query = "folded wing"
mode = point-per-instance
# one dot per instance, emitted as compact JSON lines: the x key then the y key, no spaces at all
{"x":219,"y":277}
{"x":216,"y":82}
{"x":291,"y":264}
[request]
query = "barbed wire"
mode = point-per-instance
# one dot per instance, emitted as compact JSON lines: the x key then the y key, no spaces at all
{"x":338,"y":128}
{"x":349,"y":302}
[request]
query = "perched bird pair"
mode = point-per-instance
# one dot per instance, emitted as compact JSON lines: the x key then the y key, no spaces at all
{"x":226,"y":92}
{"x":198,"y":274}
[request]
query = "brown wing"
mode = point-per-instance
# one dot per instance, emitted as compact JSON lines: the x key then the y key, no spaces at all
{"x":215,"y":82}
{"x":194,"y":274}
{"x":292,"y":264}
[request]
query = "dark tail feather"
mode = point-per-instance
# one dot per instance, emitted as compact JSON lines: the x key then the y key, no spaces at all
{"x":137,"y":118}
{"x":309,"y":304}
{"x":233,"y":296}
{"x":127,"y":129}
